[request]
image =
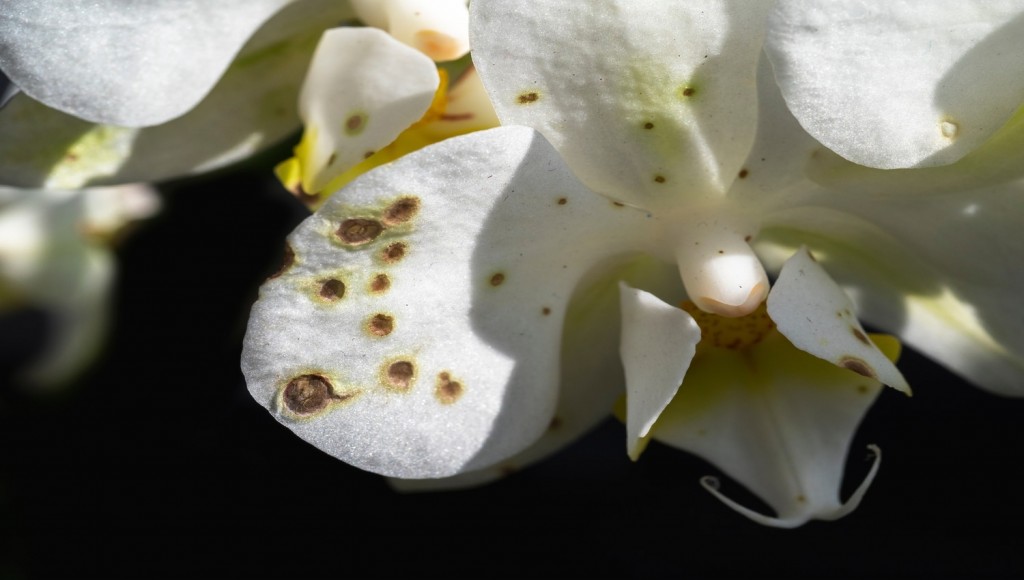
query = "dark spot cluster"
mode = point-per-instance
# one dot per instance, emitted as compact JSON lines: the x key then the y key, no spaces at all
{"x":528,"y":97}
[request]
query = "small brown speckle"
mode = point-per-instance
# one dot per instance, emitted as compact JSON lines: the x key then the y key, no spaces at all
{"x":355,"y":124}
{"x":659,"y":179}
{"x":448,"y":390}
{"x":307,"y":394}
{"x":747,"y":238}
{"x":332,"y":289}
{"x":801,"y":499}
{"x":380,"y":283}
{"x":332,"y":159}
{"x":545,"y":311}
{"x":858,"y":366}
{"x":381,"y":325}
{"x":286,"y":261}
{"x":359,"y":231}
{"x":403,"y":210}
{"x":497,"y":279}
{"x":688,"y":91}
{"x":618,"y":204}
{"x":400,"y":374}
{"x":394,"y":252}
{"x":562,"y":201}
{"x":368,"y":154}
{"x":555,"y":423}
{"x":648,"y":125}
{"x":743,"y":173}
{"x":863,"y":389}
{"x":721,"y":251}
{"x":861,"y":336}
{"x":528,"y":97}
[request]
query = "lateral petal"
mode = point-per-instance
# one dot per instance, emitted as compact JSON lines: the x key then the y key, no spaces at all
{"x":408,"y":335}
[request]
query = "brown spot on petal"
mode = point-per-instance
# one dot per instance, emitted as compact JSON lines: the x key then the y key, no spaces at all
{"x":545,"y":311}
{"x":400,"y":375}
{"x":858,"y":366}
{"x":286,"y":262}
{"x":355,"y":124}
{"x":801,"y":499}
{"x":528,"y":98}
{"x":332,"y":289}
{"x":380,"y":283}
{"x":861,"y":336}
{"x":394,"y":252}
{"x":555,"y":423}
{"x":359,"y":231}
{"x":448,"y":390}
{"x":403,"y":210}
{"x":308,"y":394}
{"x":863,"y":389}
{"x":381,"y":325}
{"x":743,"y":173}
{"x":562,"y":201}
{"x":332,"y":159}
{"x":497,"y":279}
{"x":618,"y":204}
{"x":688,"y":91}
{"x":648,"y":125}
{"x":659,"y":179}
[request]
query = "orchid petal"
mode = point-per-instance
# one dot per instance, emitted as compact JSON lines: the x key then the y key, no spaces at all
{"x":362,"y":90}
{"x":891,"y":85}
{"x":409,"y":335}
{"x":811,"y":311}
{"x":658,"y":343}
{"x":777,"y":420}
{"x":592,"y":374}
{"x":125,"y":63}
{"x":665,"y":110}
{"x":43,"y":147}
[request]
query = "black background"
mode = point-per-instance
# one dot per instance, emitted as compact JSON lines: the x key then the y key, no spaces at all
{"x":157,"y":463}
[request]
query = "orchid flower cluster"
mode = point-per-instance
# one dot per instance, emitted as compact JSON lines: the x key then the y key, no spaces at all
{"x":686,"y":213}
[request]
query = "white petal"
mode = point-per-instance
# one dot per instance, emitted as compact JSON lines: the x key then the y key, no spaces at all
{"x":658,"y":342}
{"x":419,"y":296}
{"x":250,"y":108}
{"x":940,"y":271}
{"x":362,"y":90}
{"x":816,"y":316}
{"x":646,"y":101}
{"x":592,"y":375}
{"x":132,"y":64}
{"x":777,"y":420}
{"x":437,"y":28}
{"x":898,"y":84}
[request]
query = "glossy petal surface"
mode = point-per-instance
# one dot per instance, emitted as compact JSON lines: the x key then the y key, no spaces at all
{"x":125,"y":63}
{"x":899,"y":84}
{"x":251,"y":107}
{"x":408,"y":335}
{"x":664,"y":112}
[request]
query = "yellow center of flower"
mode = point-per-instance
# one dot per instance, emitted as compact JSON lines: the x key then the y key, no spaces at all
{"x":730,"y":333}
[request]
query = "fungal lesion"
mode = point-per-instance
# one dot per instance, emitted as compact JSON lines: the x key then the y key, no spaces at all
{"x":309,"y":395}
{"x":358,"y":231}
{"x":287,"y":261}
{"x":402,"y":210}
{"x":528,"y":97}
{"x":447,"y":389}
{"x":398,"y":374}
{"x":380,"y":325}
{"x":380,"y":284}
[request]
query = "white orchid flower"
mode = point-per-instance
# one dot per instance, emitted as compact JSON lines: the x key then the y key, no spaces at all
{"x":55,"y":255}
{"x":474,"y":305}
{"x":114,"y":92}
